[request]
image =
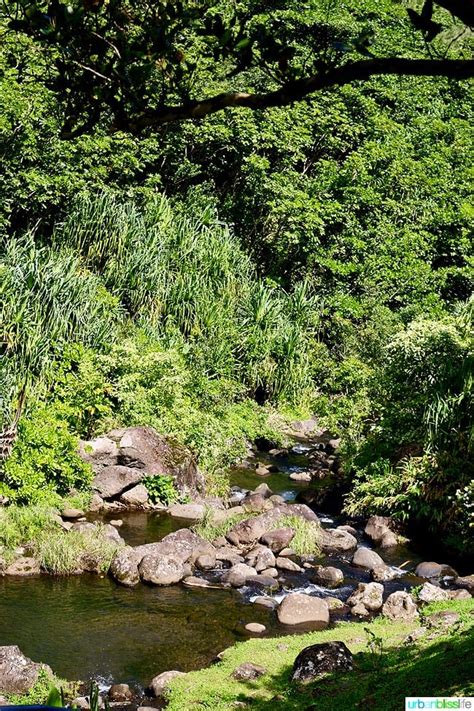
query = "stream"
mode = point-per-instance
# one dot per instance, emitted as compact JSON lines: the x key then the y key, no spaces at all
{"x":88,"y":627}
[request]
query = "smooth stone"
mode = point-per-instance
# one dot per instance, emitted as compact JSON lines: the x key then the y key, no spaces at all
{"x":159,"y":683}
{"x":265,"y":602}
{"x":287,"y":564}
{"x":136,"y":497}
{"x":300,"y":609}
{"x":255,"y":628}
{"x":400,"y":606}
{"x":72,"y":514}
{"x":190,"y":512}
{"x":434,"y":570}
{"x":278,"y":539}
{"x":367,"y":559}
{"x":431,"y":593}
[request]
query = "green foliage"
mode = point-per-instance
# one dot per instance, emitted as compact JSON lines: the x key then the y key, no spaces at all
{"x":45,"y":464}
{"x":161,"y":489}
{"x":63,"y":553}
{"x":20,"y":525}
{"x":307,"y":534}
{"x":209,"y":529}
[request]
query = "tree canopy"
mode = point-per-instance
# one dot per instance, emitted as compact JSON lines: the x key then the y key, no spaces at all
{"x":140,"y":64}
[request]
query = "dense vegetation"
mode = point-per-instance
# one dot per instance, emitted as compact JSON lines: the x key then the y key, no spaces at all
{"x":202,"y":277}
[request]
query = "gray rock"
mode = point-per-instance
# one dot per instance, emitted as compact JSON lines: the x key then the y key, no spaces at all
{"x":160,"y":683}
{"x":124,"y":567}
{"x":264,"y":490}
{"x":369,"y":595}
{"x":96,"y":504}
{"x":24,"y":566}
{"x":260,"y":558}
{"x":329,"y":576}
{"x":299,"y":609}
{"x":255,"y":503}
{"x":318,"y":659}
{"x":18,"y":674}
{"x":120,"y":693}
{"x":336,"y":540}
{"x":262,"y":582}
{"x":99,"y":453}
{"x":400,"y":606}
{"x":238,"y":575}
{"x":71,"y":514}
{"x":466,"y":582}
{"x":434,"y":570}
{"x":193,"y":581}
{"x":288,"y":564}
{"x":255,"y":628}
{"x":265,"y":602}
{"x":379,"y":531}
{"x":300,"y":476}
{"x":114,"y":480}
{"x":459,"y":595}
{"x":162,"y":570}
{"x":367,"y":559}
{"x":431,"y":593}
{"x":136,"y":497}
{"x":190,"y":512}
{"x":278,"y":539}
{"x":248,"y":672}
{"x":383,"y":573}
{"x":303,"y":511}
{"x":206,"y":562}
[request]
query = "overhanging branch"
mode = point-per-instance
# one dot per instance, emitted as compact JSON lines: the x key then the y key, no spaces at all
{"x":297,"y":90}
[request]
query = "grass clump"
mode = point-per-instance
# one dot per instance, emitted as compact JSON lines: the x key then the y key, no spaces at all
{"x":41,"y":692}
{"x":210,"y":528}
{"x":440,"y":663}
{"x":21,"y":525}
{"x":307,"y":534}
{"x":63,"y":553}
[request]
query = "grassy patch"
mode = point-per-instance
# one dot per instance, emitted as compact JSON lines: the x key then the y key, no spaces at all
{"x":210,"y":530}
{"x":63,"y":553}
{"x":41,"y":691}
{"x":20,"y":525}
{"x":439,"y":663}
{"x":307,"y":534}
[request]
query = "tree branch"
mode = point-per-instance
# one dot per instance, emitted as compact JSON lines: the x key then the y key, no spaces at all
{"x":297,"y":90}
{"x":462,"y":9}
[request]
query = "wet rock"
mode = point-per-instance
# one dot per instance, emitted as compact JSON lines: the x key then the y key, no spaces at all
{"x":367,"y":559}
{"x":194,"y":582}
{"x":159,"y":683}
{"x":400,"y":606}
{"x":255,"y":628}
{"x":162,"y":570}
{"x":260,"y":558}
{"x":288,"y":564}
{"x":262,"y":471}
{"x":120,"y":693}
{"x":262,"y":582}
{"x":238,"y":575}
{"x":18,"y":674}
{"x":318,"y":659}
{"x":466,"y":582}
{"x":136,"y":497}
{"x":114,"y":480}
{"x":71,"y":514}
{"x":124,"y":567}
{"x":248,"y":672}
{"x":191,"y":512}
{"x":328,"y":577}
{"x":434,"y":570}
{"x":278,"y":539}
{"x":300,"y":609}
{"x":24,"y":566}
{"x":335,"y":540}
{"x":378,"y":529}
{"x":431,"y":593}
{"x":265,"y":602}
{"x":369,"y":595}
{"x":383,"y":573}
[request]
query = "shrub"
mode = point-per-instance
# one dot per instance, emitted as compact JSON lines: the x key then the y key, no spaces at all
{"x":161,"y":489}
{"x":307,"y":534}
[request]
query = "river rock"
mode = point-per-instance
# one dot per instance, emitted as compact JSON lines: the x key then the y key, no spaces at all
{"x":162,"y":570}
{"x":300,"y":476}
{"x":329,"y":576}
{"x":264,"y":490}
{"x":336,"y":540}
{"x":99,"y":452}
{"x":97,"y":503}
{"x":459,"y":595}
{"x":303,"y":511}
{"x":289,"y":565}
{"x":367,"y":559}
{"x":265,"y":602}
{"x":383,"y":574}
{"x":263,"y":582}
{"x":400,"y":606}
{"x":248,"y":672}
{"x":114,"y":480}
{"x":256,"y":503}
{"x":238,"y":575}
{"x":120,"y":693}
{"x":434,"y":570}
{"x":18,"y":674}
{"x":159,"y":684}
{"x":260,"y":558}
{"x":190,"y":512}
{"x":367,"y":595}
{"x":137,"y":497}
{"x":262,"y":471}
{"x":206,"y":562}
{"x":24,"y":566}
{"x":300,"y":609}
{"x":184,"y":546}
{"x":255,"y":628}
{"x":192,"y":581}
{"x":379,"y":531}
{"x":466,"y":582}
{"x":226,"y":554}
{"x":431,"y":593}
{"x":318,"y":659}
{"x":71,"y":514}
{"x":124,"y":567}
{"x":278,"y":539}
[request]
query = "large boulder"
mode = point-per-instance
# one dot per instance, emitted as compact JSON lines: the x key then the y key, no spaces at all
{"x":252,"y":529}
{"x":278,"y":539}
{"x":23,"y":567}
{"x":431,"y":593}
{"x":367,"y":595}
{"x":466,"y":583}
{"x":328,"y":576}
{"x":367,"y":559}
{"x":162,"y":570}
{"x":189,"y":512}
{"x":261,"y":558}
{"x":124,"y":567}
{"x":379,"y":531}
{"x":135,"y":498}
{"x":18,"y":674}
{"x":299,"y":609}
{"x":318,"y":659}
{"x":336,"y":540}
{"x":160,"y":683}
{"x":400,"y":606}
{"x":112,"y":481}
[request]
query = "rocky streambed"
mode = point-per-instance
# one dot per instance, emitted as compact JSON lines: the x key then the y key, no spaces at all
{"x":173,"y":600}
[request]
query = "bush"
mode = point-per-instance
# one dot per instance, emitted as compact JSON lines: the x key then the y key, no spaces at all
{"x":161,"y":489}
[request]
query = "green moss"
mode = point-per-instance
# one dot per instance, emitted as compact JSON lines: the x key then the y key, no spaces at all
{"x":439,"y":663}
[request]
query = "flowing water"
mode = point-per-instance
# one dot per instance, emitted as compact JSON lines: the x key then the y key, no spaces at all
{"x":87,"y":627}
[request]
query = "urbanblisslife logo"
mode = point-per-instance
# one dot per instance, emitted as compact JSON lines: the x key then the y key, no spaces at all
{"x":439,"y":702}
